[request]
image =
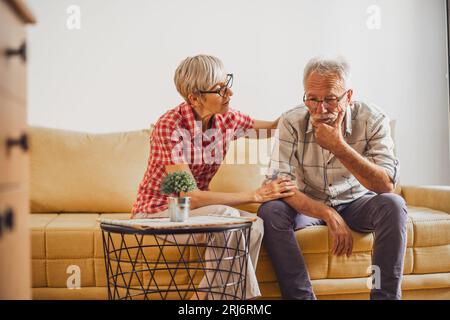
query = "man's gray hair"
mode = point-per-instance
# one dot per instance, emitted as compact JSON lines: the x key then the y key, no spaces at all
{"x":328,"y":66}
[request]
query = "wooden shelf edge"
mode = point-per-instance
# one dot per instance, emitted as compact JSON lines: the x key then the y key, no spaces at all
{"x":22,"y":11}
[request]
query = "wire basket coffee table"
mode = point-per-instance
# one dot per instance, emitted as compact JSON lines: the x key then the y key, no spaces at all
{"x":154,"y":259}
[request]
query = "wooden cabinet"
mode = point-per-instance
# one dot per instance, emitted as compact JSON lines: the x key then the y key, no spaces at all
{"x":15,"y":263}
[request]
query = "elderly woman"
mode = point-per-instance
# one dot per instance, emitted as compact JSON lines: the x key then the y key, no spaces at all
{"x":206,"y":89}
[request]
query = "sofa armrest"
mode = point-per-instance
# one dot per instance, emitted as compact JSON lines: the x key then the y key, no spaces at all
{"x":433,"y":197}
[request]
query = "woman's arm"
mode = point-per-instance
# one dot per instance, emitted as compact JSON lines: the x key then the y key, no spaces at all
{"x":201,"y":198}
{"x":280,"y":188}
{"x":264,"y":126}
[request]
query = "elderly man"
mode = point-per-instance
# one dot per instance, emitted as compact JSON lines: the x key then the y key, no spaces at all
{"x":340,"y":154}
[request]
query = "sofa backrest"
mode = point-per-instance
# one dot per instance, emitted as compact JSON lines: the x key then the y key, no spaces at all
{"x":244,"y":168}
{"x":83,"y":172}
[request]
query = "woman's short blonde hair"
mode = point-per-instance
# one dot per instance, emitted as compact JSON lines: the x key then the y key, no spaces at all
{"x":200,"y":72}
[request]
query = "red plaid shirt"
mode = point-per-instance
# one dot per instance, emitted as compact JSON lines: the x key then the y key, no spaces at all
{"x":177,"y":138}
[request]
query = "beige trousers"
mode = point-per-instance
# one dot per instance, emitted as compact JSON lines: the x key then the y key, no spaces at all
{"x":256,"y":235}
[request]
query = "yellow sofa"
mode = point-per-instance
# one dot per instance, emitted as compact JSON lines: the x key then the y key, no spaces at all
{"x":76,"y":178}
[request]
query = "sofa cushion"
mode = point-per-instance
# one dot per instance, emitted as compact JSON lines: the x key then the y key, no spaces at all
{"x":82,"y":172}
{"x":431,"y":227}
{"x":71,"y":236}
{"x":63,"y":240}
{"x":431,"y":240}
{"x":247,"y":159}
{"x":38,"y":224}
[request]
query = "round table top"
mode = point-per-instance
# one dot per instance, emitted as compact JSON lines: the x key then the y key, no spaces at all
{"x":199,"y":224}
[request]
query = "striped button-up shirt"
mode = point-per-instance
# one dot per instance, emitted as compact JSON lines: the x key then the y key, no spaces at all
{"x":316,"y":171}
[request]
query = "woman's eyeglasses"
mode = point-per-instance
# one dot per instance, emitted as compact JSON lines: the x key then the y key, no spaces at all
{"x":221,"y":91}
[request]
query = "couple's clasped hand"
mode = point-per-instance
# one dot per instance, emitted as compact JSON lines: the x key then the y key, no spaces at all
{"x":275,"y":189}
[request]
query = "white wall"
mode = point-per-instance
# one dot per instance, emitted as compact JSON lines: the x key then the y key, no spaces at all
{"x":115,"y":73}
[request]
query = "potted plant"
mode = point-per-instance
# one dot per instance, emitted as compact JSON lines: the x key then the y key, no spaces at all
{"x":173,"y":184}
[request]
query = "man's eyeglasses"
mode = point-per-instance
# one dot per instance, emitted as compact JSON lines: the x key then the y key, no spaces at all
{"x":329,"y":102}
{"x":221,"y":91}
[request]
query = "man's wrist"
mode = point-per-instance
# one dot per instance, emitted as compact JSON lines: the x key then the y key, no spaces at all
{"x":341,"y":149}
{"x":327,"y":214}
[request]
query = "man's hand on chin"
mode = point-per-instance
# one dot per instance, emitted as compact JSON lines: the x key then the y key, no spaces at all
{"x":329,"y":136}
